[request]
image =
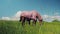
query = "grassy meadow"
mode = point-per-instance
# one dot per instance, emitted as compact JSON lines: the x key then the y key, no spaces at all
{"x":15,"y":27}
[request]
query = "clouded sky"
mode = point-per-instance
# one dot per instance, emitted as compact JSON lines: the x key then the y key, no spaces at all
{"x":48,"y":7}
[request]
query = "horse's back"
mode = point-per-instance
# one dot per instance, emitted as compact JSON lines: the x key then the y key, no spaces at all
{"x":26,"y":14}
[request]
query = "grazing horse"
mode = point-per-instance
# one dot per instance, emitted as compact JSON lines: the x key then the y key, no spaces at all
{"x":32,"y":15}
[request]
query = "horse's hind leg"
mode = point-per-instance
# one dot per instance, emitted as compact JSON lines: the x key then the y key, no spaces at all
{"x":23,"y":21}
{"x":20,"y":19}
{"x":28,"y":20}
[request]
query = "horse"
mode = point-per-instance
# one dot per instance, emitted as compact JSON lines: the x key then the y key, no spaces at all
{"x":32,"y":15}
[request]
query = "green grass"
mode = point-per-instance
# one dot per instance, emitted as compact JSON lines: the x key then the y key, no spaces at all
{"x":15,"y":27}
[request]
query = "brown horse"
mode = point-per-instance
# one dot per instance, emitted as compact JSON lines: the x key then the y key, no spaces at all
{"x":33,"y":15}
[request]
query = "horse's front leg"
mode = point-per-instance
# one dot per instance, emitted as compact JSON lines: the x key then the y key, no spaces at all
{"x":34,"y":22}
{"x":41,"y":22}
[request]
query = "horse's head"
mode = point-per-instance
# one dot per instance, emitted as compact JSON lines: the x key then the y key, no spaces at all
{"x":40,"y":19}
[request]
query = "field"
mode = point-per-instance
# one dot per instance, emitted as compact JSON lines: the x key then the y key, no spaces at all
{"x":15,"y":27}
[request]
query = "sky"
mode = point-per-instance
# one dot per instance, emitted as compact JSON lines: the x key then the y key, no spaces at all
{"x":44,"y":7}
